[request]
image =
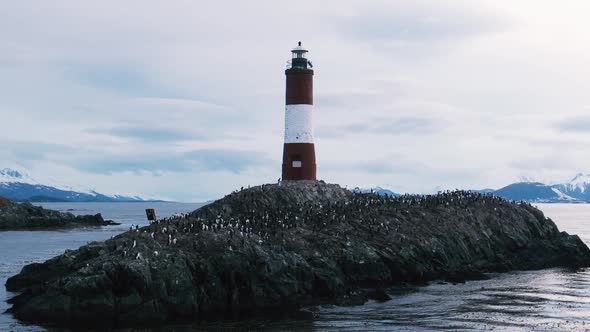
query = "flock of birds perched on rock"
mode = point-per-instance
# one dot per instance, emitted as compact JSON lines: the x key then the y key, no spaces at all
{"x":245,"y":215}
{"x":279,"y":246}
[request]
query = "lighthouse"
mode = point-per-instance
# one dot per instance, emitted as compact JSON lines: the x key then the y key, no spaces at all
{"x":299,"y":151}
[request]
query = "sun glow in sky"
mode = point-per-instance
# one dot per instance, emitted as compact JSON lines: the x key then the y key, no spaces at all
{"x":185,"y":99}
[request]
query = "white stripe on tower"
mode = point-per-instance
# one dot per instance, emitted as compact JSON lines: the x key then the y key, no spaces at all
{"x":298,"y":123}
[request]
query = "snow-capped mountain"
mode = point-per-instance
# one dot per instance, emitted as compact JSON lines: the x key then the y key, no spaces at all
{"x":19,"y":186}
{"x":532,"y":191}
{"x":8,"y":175}
{"x":578,"y":187}
{"x":575,"y":191}
{"x":376,"y":190}
{"x":580,"y":182}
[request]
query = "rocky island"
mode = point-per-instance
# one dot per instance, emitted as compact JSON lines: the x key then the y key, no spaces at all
{"x":16,"y":216}
{"x":280,"y":247}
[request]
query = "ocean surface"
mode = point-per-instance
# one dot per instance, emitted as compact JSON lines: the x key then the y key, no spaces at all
{"x":546,"y":300}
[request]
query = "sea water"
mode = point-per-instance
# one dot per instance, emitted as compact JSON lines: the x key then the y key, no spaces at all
{"x":551,"y":299}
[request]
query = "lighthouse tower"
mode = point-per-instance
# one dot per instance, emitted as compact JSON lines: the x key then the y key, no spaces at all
{"x":299,"y":152}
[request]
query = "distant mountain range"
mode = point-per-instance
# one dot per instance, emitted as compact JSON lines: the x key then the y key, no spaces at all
{"x":18,"y":186}
{"x":575,"y":191}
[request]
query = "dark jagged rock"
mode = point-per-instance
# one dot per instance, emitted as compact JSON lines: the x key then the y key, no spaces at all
{"x":14,"y":216}
{"x":274,"y":248}
{"x":379,"y":295}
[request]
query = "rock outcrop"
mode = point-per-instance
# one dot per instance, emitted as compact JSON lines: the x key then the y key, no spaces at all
{"x":275,"y":248}
{"x":15,"y":216}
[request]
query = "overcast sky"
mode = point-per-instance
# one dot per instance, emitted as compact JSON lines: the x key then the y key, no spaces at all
{"x":185,"y":99}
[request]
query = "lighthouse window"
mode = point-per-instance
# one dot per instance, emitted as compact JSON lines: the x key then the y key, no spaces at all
{"x":298,"y":55}
{"x":297,"y":163}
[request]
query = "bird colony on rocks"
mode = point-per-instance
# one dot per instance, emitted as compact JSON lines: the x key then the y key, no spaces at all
{"x":277,"y":248}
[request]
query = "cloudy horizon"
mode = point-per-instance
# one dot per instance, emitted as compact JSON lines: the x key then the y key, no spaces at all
{"x":185,"y":100}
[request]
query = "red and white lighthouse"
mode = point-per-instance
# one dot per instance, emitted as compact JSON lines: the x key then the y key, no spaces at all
{"x":299,"y":152}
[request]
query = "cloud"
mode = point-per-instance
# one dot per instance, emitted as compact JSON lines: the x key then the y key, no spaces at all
{"x":179,"y":97}
{"x":383,"y":127}
{"x":391,"y":165}
{"x":580,"y":124}
{"x":234,"y":161}
{"x":28,"y":152}
{"x":419,"y":29}
{"x":154,"y":134}
{"x":553,"y":162}
{"x":120,"y":78}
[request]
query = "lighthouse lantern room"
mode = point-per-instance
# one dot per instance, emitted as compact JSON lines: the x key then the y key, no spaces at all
{"x":299,"y":152}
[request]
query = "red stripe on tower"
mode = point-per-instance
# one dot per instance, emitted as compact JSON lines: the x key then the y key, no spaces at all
{"x":299,"y":151}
